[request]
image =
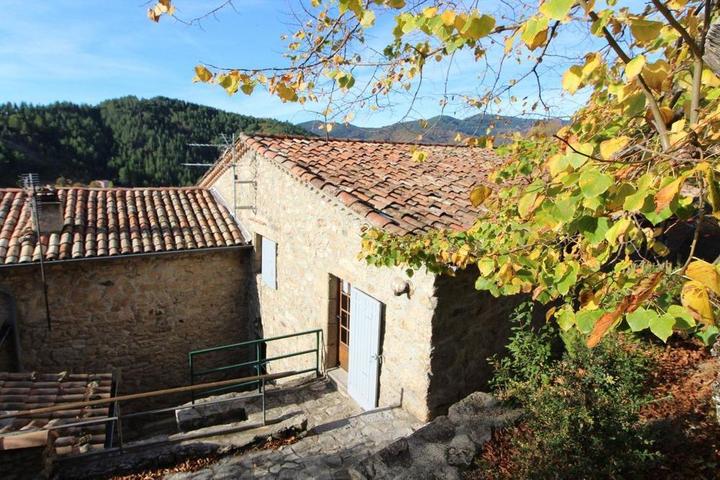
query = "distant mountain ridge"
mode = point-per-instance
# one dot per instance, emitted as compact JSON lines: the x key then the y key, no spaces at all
{"x":144,"y":142}
{"x":439,"y":129}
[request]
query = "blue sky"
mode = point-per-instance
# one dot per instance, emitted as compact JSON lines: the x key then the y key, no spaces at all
{"x":88,"y":51}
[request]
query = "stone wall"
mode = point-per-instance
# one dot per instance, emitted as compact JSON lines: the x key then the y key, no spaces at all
{"x":140,"y":315}
{"x":318,"y":238}
{"x":469,"y":326}
{"x":444,"y":448}
{"x":8,"y":355}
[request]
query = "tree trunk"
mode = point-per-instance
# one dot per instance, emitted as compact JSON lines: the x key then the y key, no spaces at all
{"x":712,"y":48}
{"x":716,"y":384}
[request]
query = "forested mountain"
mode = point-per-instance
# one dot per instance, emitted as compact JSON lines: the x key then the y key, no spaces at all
{"x":440,"y":129}
{"x":129,"y":141}
{"x":138,"y":142}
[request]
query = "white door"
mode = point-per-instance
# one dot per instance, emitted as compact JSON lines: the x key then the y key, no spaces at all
{"x":365,"y":314}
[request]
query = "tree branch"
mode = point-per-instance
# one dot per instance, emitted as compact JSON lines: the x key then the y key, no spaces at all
{"x":652,"y":101}
{"x":694,"y":47}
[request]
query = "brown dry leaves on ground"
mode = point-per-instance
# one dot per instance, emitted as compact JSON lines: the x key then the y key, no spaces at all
{"x":682,"y":415}
{"x":198,"y":463}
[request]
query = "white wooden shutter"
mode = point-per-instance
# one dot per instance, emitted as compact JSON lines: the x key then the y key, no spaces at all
{"x":268,"y":255}
{"x":364,"y":361}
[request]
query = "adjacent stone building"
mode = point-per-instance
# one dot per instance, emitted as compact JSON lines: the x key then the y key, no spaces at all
{"x":421,"y":341}
{"x":135,"y":278}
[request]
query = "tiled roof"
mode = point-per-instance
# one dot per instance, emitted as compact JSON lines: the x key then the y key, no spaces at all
{"x":379,"y":180}
{"x":30,"y":390}
{"x":117,"y":221}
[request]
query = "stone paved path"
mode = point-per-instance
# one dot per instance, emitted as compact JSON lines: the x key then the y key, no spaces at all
{"x":339,"y":434}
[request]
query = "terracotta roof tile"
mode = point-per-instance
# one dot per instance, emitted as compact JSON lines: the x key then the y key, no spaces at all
{"x":117,"y":221}
{"x":27,"y":390}
{"x":379,"y":180}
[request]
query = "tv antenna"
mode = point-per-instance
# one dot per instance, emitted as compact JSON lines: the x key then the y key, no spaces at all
{"x":30,"y":183}
{"x":227,"y":145}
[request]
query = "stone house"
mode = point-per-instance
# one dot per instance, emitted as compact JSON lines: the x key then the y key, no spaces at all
{"x":419,"y":341}
{"x":135,"y":278}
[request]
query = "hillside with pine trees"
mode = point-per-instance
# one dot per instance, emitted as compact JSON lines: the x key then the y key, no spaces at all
{"x":129,"y":141}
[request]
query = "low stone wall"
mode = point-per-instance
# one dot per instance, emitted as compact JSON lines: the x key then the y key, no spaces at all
{"x":469,"y":326}
{"x":443,"y":448}
{"x":138,"y":315}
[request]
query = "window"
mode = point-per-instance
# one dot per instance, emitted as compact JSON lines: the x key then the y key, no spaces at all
{"x":268,"y":259}
{"x":343,"y":322}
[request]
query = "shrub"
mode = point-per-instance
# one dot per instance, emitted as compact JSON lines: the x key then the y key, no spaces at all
{"x":581,"y":407}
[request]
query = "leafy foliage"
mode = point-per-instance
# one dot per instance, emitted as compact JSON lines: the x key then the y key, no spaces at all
{"x":585,"y":218}
{"x":127,"y":140}
{"x":581,"y":409}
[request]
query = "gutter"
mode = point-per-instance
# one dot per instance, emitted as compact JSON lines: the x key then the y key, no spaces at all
{"x":246,"y":246}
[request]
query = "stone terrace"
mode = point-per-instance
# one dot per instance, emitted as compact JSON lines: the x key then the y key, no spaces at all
{"x":339,"y":435}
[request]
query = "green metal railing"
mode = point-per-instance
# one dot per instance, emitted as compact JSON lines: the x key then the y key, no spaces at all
{"x":258,"y":364}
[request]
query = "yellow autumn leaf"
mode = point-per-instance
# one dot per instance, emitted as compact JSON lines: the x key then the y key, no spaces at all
{"x":644,"y":31}
{"x":448,"y":18}
{"x":666,"y":194}
{"x":634,"y":67}
{"x":430,"y":12}
{"x":592,"y":62}
{"x":572,"y":78}
{"x":656,"y":73}
{"x":534,"y":32}
{"x":710,"y":79}
{"x":666,"y":113}
{"x":695,"y":298}
{"x":202,"y":74}
{"x":705,"y":273}
{"x":479,"y":194}
{"x":419,"y":156}
{"x":509,"y":42}
{"x":677,"y":132}
{"x":610,"y":147}
{"x":713,"y":192}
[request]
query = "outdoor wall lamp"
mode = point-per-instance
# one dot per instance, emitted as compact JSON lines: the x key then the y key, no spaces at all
{"x":401,"y":287}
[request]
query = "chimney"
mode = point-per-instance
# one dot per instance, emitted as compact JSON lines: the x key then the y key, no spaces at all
{"x":50,"y":213}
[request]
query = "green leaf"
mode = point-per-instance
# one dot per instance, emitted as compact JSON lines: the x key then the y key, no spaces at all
{"x":564,"y":209}
{"x":662,"y":326}
{"x":594,"y":183}
{"x":638,"y":201}
{"x":572,"y":78}
{"x":525,"y":203}
{"x":640,"y":319}
{"x":565,"y":275}
{"x":709,"y":334}
{"x":477,"y":27}
{"x":556,"y":9}
{"x":534,"y":32}
{"x":593,"y":229}
{"x":368,"y":19}
{"x":486,"y":265}
{"x":565,"y":319}
{"x":683,"y":319}
{"x":586,"y":319}
{"x":634,"y":67}
{"x":618,"y":229}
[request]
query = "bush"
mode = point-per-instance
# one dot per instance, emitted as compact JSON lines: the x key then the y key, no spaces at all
{"x":581,"y":407}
